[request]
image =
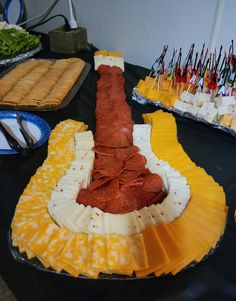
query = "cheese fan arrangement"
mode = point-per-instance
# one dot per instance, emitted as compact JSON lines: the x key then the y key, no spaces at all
{"x":201,"y":87}
{"x":127,"y":200}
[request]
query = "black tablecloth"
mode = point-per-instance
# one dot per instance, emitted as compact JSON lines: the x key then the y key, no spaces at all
{"x":213,"y":279}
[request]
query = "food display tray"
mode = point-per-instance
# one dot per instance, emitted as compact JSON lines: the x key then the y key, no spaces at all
{"x":136,"y":96}
{"x":20,"y":57}
{"x":68,"y":98}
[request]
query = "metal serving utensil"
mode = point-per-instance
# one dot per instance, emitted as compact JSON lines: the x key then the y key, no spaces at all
{"x":13,"y":143}
{"x":28,"y":140}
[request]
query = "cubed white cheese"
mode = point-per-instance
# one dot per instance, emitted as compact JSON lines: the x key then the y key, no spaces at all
{"x":222,"y":110}
{"x":199,"y":98}
{"x":180,"y":105}
{"x":225,"y":100}
{"x":192,"y":109}
{"x":186,"y":96}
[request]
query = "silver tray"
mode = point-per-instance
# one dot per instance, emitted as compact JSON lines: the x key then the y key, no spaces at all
{"x":64,"y":103}
{"x":20,"y":57}
{"x":141,"y":99}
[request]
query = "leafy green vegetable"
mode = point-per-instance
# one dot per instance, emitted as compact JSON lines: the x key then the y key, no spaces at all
{"x":13,"y":42}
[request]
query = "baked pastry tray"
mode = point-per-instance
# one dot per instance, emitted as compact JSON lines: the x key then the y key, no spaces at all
{"x":68,"y":98}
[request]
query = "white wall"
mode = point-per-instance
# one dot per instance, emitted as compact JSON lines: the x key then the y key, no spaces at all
{"x":140,"y":28}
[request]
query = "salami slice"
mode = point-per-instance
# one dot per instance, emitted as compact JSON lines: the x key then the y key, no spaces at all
{"x":152,"y":183}
{"x":136,"y":162}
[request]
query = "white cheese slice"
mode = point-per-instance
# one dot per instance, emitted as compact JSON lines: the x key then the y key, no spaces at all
{"x":98,"y":60}
{"x":84,"y":135}
{"x":58,"y":211}
{"x":176,"y":180}
{"x":86,"y":177}
{"x":177,"y":205}
{"x":65,"y":215}
{"x":166,"y":217}
{"x":156,"y":214}
{"x":147,"y":218}
{"x":66,"y":186}
{"x":121,"y":224}
{"x":85,"y":155}
{"x":57,"y":195}
{"x":96,"y":223}
{"x":150,"y":156}
{"x":139,"y":221}
{"x":171,"y":209}
{"x":72,"y":218}
{"x":178,"y":201}
{"x":173,"y":173}
{"x":84,"y":219}
{"x":115,"y":61}
{"x":61,"y":202}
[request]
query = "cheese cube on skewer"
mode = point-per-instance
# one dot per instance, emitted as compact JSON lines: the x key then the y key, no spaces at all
{"x":186,"y":96}
{"x":200,"y":98}
{"x":225,"y":109}
{"x":225,"y":100}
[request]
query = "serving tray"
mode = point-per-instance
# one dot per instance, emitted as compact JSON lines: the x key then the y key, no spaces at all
{"x":68,"y":98}
{"x":141,"y":99}
{"x":20,"y":57}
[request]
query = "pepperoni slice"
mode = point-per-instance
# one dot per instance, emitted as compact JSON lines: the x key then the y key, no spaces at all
{"x":107,"y":192}
{"x":143,"y":198}
{"x":152,"y":183}
{"x":124,"y":202}
{"x":158,"y":198}
{"x":130,"y":175}
{"x":126,"y":152}
{"x":98,"y":183}
{"x":103,"y":150}
{"x":136,"y":162}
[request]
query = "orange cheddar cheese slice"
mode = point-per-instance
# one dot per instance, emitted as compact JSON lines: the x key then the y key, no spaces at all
{"x":173,"y":250}
{"x":156,"y":254}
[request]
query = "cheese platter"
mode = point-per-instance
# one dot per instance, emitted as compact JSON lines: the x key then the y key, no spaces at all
{"x":125,"y":203}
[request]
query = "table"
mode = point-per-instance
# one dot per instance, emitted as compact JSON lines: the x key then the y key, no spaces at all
{"x":213,"y":279}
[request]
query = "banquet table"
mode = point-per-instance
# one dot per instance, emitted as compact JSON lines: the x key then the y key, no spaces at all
{"x":212,"y":149}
